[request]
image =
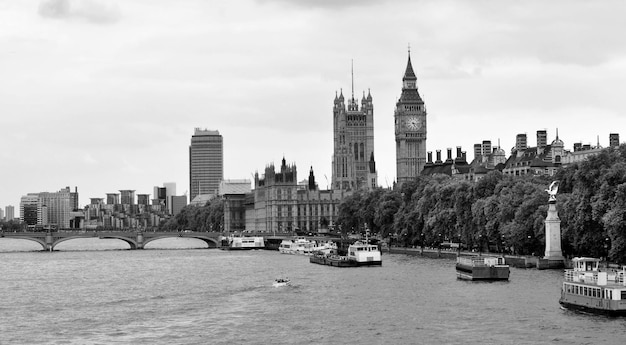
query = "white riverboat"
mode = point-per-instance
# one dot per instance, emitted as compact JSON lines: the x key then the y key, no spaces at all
{"x":300,"y":246}
{"x":242,"y":243}
{"x":588,"y":288}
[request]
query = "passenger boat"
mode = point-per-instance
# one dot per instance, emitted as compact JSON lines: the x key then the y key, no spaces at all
{"x":281,"y":282}
{"x":359,"y":254}
{"x":242,"y":243}
{"x":586,"y":287}
{"x":325,"y":248}
{"x":300,"y":246}
{"x":481,"y":268}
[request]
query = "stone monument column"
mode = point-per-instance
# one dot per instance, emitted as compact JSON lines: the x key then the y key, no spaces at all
{"x":553,"y":227}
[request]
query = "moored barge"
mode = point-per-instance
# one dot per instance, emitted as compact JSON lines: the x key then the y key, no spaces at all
{"x":481,"y":268}
{"x":359,"y":254}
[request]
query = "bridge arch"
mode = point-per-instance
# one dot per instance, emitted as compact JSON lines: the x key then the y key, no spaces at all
{"x":211,"y":242}
{"x":33,"y":239}
{"x":133,"y":244}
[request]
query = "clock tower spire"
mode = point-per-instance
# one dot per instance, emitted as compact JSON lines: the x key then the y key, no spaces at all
{"x":410,"y":124}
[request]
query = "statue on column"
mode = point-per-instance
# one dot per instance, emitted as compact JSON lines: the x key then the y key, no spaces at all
{"x":552,"y":190}
{"x":553,"y":254}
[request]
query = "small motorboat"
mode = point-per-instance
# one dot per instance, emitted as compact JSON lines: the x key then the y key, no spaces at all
{"x":281,"y":282}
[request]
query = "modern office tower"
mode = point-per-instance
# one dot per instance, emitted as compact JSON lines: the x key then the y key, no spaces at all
{"x":353,"y":143}
{"x":30,"y":209}
{"x":177,"y":203}
{"x":113,"y":198}
{"x":143,"y":199}
{"x":9,"y":212}
{"x":206,"y":162}
{"x":1,"y":214}
{"x":59,"y":206}
{"x":410,"y":124}
{"x":48,"y":209}
{"x":614,"y":140}
{"x":159,"y":196}
{"x":170,"y":192}
{"x":127,"y":197}
{"x":542,"y":138}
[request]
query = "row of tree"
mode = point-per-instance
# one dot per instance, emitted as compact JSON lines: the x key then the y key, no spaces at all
{"x":209,"y":217}
{"x":503,"y":213}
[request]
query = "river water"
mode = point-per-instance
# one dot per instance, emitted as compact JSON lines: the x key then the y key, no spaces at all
{"x":173,"y":293}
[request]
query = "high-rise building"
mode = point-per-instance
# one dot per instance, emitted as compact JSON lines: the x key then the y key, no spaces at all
{"x":1,"y":214}
{"x":9,"y":212}
{"x":49,"y":209}
{"x":177,"y":202}
{"x":127,"y":197}
{"x":206,"y":162}
{"x":30,"y":210}
{"x":143,"y":199}
{"x":113,"y":198}
{"x":410,"y":123}
{"x":353,"y":143}
{"x":59,"y":206}
{"x":614,"y":140}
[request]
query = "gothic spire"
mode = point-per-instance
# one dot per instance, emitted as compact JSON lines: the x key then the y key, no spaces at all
{"x":409,"y":74}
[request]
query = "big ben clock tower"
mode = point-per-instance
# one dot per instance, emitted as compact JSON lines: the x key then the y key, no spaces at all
{"x":410,"y":119}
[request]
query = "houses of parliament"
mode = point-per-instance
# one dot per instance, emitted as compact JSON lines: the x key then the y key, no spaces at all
{"x":280,"y":203}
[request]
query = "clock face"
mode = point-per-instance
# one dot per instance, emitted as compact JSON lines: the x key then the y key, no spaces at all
{"x":414,"y":123}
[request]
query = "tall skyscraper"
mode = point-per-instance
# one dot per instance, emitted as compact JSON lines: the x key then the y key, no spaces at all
{"x":206,"y":162}
{"x":410,"y":122}
{"x":353,"y":140}
{"x":9,"y":212}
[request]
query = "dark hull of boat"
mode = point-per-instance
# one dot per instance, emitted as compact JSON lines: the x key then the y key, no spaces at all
{"x":341,"y":261}
{"x":587,"y":309}
{"x":482,"y":272}
{"x":593,"y":305}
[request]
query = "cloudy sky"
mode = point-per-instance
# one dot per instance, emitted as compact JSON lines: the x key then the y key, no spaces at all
{"x":105,"y":94}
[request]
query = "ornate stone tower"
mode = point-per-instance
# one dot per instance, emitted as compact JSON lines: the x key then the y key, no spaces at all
{"x":410,"y":122}
{"x":353,"y":139}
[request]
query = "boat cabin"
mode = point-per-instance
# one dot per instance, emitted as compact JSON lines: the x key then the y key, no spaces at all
{"x":586,"y":264}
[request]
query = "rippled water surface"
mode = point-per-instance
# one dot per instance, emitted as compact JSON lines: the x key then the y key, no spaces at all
{"x":202,"y":296}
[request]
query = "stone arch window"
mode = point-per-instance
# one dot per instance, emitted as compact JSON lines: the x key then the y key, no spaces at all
{"x":362,"y":153}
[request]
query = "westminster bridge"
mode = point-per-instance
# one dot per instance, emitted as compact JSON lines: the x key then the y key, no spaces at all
{"x":136,"y":239}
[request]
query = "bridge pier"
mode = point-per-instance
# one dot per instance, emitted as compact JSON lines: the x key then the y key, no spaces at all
{"x":49,"y":241}
{"x":140,"y":240}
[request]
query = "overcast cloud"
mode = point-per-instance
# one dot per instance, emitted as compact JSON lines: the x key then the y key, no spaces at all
{"x":105,"y":95}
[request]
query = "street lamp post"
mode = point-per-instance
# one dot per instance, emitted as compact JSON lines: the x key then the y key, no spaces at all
{"x":480,"y":245}
{"x":438,"y":245}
